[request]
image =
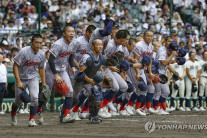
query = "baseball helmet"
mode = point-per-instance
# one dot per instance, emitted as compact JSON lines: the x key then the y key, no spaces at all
{"x":180,"y":60}
{"x":79,"y":76}
{"x":173,"y":46}
{"x":142,"y":85}
{"x":176,"y":87}
{"x":130,"y":87}
{"x":146,"y":60}
{"x":99,"y":77}
{"x":124,"y":65}
{"x":194,"y":88}
{"x":182,"y":52}
{"x":24,"y":96}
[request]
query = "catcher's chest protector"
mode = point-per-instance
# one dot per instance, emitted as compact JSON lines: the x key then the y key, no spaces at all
{"x":93,"y":65}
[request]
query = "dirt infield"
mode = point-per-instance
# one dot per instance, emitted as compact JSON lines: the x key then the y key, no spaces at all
{"x":133,"y":126}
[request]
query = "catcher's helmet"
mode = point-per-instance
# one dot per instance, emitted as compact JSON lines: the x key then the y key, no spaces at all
{"x":99,"y":77}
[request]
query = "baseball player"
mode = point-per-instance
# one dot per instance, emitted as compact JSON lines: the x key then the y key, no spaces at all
{"x":141,"y":49}
{"x":60,"y":55}
{"x":81,"y":45}
{"x":102,"y":34}
{"x":90,"y":63}
{"x":112,"y":72}
{"x":165,"y":55}
{"x":26,"y":65}
{"x":178,"y":85}
{"x":203,"y":80}
{"x":193,"y":73}
{"x":151,"y":89}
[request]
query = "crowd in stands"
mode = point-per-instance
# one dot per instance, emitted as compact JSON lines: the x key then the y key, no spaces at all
{"x":185,"y":20}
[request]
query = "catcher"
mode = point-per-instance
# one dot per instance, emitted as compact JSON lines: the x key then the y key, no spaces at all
{"x":87,"y":77}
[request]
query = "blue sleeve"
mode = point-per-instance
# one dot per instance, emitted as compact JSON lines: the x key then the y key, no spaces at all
{"x":71,"y":61}
{"x":108,"y":29}
{"x":52,"y":64}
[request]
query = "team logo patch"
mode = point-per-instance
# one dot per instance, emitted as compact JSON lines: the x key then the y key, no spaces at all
{"x":192,"y":67}
{"x":196,"y":67}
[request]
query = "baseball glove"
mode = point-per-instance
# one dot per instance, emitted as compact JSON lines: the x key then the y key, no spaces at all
{"x":115,"y":59}
{"x":156,"y":79}
{"x":45,"y":93}
{"x":175,"y":76}
{"x":107,"y":83}
{"x":62,"y":88}
{"x":119,"y":55}
{"x":163,"y":78}
{"x":112,"y":61}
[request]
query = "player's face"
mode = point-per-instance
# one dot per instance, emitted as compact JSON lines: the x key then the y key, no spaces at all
{"x":121,"y":41}
{"x":69,"y":34}
{"x":130,"y":47}
{"x":168,"y":42}
{"x":156,"y":47}
{"x":127,"y":40}
{"x":98,"y":48}
{"x":37,"y":44}
{"x":148,"y":37}
{"x":192,"y":56}
{"x":205,"y":55}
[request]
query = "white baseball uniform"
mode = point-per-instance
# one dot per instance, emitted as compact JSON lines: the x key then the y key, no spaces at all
{"x":118,"y":81}
{"x":181,"y":83}
{"x":193,"y":68}
{"x":29,"y":64}
{"x":203,"y":75}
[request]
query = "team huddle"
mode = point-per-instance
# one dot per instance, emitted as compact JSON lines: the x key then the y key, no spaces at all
{"x":105,"y":68}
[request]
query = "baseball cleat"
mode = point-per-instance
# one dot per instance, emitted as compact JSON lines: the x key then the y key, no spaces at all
{"x":84,"y":115}
{"x":151,"y":110}
{"x":187,"y":109}
{"x":21,"y":111}
{"x":124,"y":113}
{"x":138,"y":111}
{"x":129,"y":109}
{"x":103,"y":114}
{"x":2,"y":113}
{"x":202,"y":109}
{"x":40,"y":118}
{"x":68,"y":119}
{"x":114,"y":113}
{"x":94,"y":119}
{"x":13,"y":120}
{"x":111,"y":106}
{"x":170,"y":109}
{"x":105,"y":109}
{"x":32,"y":123}
{"x":181,"y":109}
{"x":163,"y":112}
{"x":196,"y":109}
{"x":75,"y":116}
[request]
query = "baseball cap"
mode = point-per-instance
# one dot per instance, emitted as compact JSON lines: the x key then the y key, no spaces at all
{"x":6,"y":60}
{"x":28,"y":3}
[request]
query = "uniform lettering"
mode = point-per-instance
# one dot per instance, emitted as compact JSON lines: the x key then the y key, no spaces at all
{"x":146,"y":53}
{"x":83,"y":52}
{"x":66,"y":53}
{"x":31,"y":63}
